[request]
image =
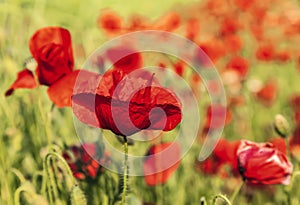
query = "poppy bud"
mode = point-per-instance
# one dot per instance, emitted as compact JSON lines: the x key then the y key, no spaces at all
{"x":281,"y":126}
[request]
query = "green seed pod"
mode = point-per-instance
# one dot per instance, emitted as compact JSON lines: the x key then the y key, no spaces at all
{"x":281,"y":126}
{"x":77,"y":196}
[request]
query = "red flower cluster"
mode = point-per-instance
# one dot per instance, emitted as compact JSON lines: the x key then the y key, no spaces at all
{"x":84,"y":160}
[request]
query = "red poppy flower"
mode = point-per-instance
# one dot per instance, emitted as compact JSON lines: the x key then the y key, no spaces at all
{"x":265,"y":53}
{"x":110,"y":22}
{"x":223,"y":154}
{"x":157,"y":167}
{"x":126,"y":104}
{"x":83,"y":160}
{"x":52,"y":50}
{"x":239,"y":64}
{"x":261,"y":163}
{"x":268,"y":93}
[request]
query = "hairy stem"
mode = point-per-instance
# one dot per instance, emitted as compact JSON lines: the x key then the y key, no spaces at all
{"x":125,"y":173}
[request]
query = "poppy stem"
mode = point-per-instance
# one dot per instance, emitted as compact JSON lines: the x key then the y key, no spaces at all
{"x":221,"y":196}
{"x":288,"y":152}
{"x":40,"y":107}
{"x":236,"y":191}
{"x":125,"y":173}
{"x":49,"y":175}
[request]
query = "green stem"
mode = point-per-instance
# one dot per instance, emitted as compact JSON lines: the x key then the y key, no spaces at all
{"x":220,"y":196}
{"x":123,"y":202}
{"x":236,"y":191}
{"x":18,"y":193}
{"x":49,"y":174}
{"x":288,"y":152}
{"x":44,"y":119}
{"x":18,"y":174}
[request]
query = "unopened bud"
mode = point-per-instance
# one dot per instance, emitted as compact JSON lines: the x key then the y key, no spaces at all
{"x":281,"y":126}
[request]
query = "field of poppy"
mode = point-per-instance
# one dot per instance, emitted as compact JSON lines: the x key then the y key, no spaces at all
{"x":101,"y":102}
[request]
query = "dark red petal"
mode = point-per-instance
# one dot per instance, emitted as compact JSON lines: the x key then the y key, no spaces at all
{"x":52,"y":49}
{"x":25,"y":79}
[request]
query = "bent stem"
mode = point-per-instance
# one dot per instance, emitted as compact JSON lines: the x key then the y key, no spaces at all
{"x":18,"y":193}
{"x":49,"y":175}
{"x":223,"y":197}
{"x":125,"y":173}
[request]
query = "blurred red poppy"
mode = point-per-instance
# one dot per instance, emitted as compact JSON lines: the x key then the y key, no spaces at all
{"x":126,"y":104}
{"x":233,"y":43}
{"x":223,"y":154}
{"x":214,"y":48}
{"x":192,"y":28}
{"x":239,"y":64}
{"x":229,"y":26}
{"x":168,"y":22}
{"x":179,"y":67}
{"x":130,"y":59}
{"x":157,"y":167}
{"x":52,"y":50}
{"x":282,"y":56}
{"x":84,"y":160}
{"x":110,"y":22}
{"x":265,"y":52}
{"x":262,"y":163}
{"x":268,"y":93}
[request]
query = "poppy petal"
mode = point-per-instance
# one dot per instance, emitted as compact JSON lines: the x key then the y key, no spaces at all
{"x":25,"y":79}
{"x":51,"y":47}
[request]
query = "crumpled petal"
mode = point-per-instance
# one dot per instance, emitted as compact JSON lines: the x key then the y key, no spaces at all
{"x":25,"y":79}
{"x":51,"y":47}
{"x":262,"y":163}
{"x":127,"y":104}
